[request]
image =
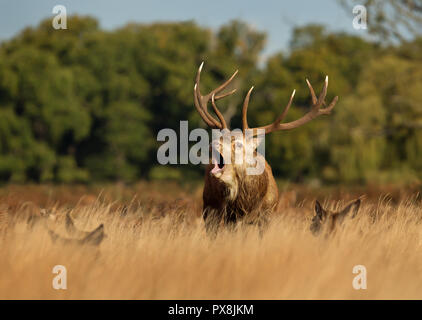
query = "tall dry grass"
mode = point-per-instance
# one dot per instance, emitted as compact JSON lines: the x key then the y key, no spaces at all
{"x":159,"y":250}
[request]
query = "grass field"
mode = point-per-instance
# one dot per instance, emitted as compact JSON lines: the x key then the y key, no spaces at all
{"x":156,"y":246}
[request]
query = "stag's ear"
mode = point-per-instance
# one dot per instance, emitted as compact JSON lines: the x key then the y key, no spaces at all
{"x":319,"y":211}
{"x":352,"y":209}
{"x":70,"y":226}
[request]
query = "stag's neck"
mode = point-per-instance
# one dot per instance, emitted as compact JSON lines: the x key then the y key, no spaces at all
{"x":244,"y":191}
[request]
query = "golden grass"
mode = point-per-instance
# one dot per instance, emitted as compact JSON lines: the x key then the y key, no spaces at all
{"x":160,"y":251}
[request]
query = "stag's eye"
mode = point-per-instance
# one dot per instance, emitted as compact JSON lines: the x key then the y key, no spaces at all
{"x":239,"y":144}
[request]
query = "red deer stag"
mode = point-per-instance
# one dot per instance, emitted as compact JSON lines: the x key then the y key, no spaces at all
{"x":230,"y":194}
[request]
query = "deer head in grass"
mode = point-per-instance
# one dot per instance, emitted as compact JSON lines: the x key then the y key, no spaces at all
{"x":230,"y":193}
{"x":326,"y":221}
{"x":79,"y":237}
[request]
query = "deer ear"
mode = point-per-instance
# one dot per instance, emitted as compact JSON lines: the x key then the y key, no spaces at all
{"x":352,"y":208}
{"x":95,"y":237}
{"x":319,"y":211}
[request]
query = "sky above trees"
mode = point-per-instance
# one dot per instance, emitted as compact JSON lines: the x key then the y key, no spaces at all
{"x":276,"y":18}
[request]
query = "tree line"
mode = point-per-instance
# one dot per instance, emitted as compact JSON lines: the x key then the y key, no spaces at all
{"x":85,"y":104}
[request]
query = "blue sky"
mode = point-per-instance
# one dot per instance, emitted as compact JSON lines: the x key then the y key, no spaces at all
{"x":277,"y":18}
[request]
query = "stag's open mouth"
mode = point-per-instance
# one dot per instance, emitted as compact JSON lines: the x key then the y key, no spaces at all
{"x":218,"y":161}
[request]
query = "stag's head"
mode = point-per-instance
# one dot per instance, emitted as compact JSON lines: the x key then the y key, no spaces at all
{"x":234,"y":152}
{"x":234,"y":155}
{"x":326,"y":221}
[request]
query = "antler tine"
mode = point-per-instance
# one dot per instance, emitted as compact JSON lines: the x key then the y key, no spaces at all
{"x":314,"y":98}
{"x":203,"y":115}
{"x":245,"y":110}
{"x":218,"y":113}
{"x":202,"y":101}
{"x":321,"y":98}
{"x":330,"y":106}
{"x":286,"y":109}
{"x":209,"y":120}
{"x":225,"y":94}
{"x":218,"y":89}
{"x":221,"y":88}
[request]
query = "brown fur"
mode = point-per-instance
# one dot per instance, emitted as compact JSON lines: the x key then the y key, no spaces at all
{"x":256,"y":197}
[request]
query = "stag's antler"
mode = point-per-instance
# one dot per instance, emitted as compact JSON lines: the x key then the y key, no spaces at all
{"x":312,"y":114}
{"x":201,"y":102}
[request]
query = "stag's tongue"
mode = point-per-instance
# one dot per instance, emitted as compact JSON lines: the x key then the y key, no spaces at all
{"x":216,"y":169}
